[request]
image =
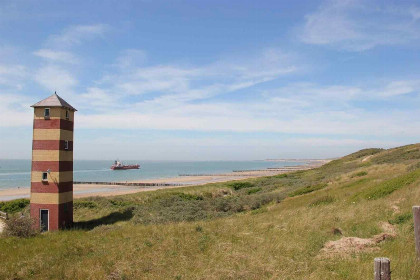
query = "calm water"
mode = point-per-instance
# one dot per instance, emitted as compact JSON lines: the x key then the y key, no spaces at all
{"x":16,"y":173}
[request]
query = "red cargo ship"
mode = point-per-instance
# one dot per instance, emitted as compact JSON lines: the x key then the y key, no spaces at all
{"x":120,"y":166}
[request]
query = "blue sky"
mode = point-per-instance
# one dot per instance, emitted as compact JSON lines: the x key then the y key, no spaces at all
{"x":213,"y":80}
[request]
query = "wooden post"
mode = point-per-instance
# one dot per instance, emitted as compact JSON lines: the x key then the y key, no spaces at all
{"x":382,"y":269}
{"x":416,"y":217}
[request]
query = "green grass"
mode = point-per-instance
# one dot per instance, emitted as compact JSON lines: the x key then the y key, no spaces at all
{"x":386,"y":188}
{"x":307,"y":189}
{"x":400,"y":219}
{"x":217,"y":231}
{"x":327,"y":199}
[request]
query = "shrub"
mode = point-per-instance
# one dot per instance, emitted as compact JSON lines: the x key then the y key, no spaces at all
{"x":20,"y":226}
{"x":84,"y":204}
{"x":120,"y":202}
{"x":255,"y":190}
{"x":307,"y":189}
{"x":187,"y":196}
{"x":322,"y":201}
{"x":241,"y":185}
{"x":359,"y":174}
{"x":177,"y":209}
{"x":14,"y":206}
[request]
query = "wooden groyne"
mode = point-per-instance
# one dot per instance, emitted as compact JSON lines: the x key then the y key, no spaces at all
{"x":207,"y":175}
{"x":128,"y":184}
{"x":273,"y":170}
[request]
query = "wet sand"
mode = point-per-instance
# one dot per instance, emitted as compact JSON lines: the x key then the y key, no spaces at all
{"x":85,"y":190}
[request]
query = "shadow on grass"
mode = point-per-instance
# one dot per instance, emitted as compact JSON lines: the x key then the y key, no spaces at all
{"x":110,"y":219}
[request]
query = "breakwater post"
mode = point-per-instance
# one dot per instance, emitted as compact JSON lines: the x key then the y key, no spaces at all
{"x":382,"y":269}
{"x":416,"y":217}
{"x":128,"y":184}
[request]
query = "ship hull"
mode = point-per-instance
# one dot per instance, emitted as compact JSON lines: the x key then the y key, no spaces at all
{"x":126,"y":167}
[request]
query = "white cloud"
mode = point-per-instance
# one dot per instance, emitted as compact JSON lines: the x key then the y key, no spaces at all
{"x":297,"y":108}
{"x":359,"y":25}
{"x":131,"y":58}
{"x":15,"y":108}
{"x":12,"y":75}
{"x":55,"y":78}
{"x":76,"y":34}
{"x":397,"y":88}
{"x":172,"y":85}
{"x":57,"y":56}
{"x":216,"y":148}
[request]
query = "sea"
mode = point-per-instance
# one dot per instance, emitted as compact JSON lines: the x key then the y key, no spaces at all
{"x":17,"y":173}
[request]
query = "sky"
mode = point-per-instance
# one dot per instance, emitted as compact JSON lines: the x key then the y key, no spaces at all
{"x":213,"y":80}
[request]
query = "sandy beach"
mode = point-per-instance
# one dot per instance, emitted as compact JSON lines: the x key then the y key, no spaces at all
{"x":85,"y":190}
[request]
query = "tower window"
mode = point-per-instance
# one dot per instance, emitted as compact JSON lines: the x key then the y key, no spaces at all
{"x":46,"y":112}
{"x":44,"y":176}
{"x":66,"y":145}
{"x":67,"y":115}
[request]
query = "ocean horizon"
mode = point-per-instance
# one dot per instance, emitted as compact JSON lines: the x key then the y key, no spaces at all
{"x":17,"y":172}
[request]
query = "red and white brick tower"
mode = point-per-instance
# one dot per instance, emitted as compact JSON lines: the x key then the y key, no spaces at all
{"x":52,"y":164}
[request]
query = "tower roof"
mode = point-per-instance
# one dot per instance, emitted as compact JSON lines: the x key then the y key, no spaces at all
{"x":54,"y":101}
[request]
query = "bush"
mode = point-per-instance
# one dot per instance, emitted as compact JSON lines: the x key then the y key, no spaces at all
{"x":307,"y":189}
{"x":20,"y":226}
{"x":176,"y":209}
{"x":84,"y":204}
{"x":359,"y":174}
{"x":14,"y":206}
{"x":241,"y":185}
{"x":187,"y":196}
{"x":252,"y":191}
{"x":120,"y":202}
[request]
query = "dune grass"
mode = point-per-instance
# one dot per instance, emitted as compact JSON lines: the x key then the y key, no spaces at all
{"x":198,"y":232}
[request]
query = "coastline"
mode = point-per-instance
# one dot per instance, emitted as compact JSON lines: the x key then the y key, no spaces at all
{"x":86,"y":190}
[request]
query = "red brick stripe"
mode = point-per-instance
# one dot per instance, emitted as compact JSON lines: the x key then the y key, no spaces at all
{"x":50,"y":187}
{"x":51,"y":145}
{"x":60,"y":215}
{"x":53,"y":166}
{"x":53,"y":124}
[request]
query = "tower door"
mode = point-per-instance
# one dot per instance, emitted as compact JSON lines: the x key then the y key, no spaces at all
{"x":44,"y":219}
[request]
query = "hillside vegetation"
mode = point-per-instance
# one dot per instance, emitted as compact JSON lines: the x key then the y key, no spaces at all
{"x":325,"y":223}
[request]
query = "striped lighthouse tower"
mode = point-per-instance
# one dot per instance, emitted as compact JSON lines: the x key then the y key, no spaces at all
{"x":52,"y":164}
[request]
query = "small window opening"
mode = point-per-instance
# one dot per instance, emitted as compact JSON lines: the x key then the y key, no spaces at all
{"x":66,"y":145}
{"x":44,"y":176}
{"x":46,"y":112}
{"x":67,"y":115}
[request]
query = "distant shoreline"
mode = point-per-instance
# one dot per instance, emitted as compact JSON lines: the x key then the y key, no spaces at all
{"x":86,"y":190}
